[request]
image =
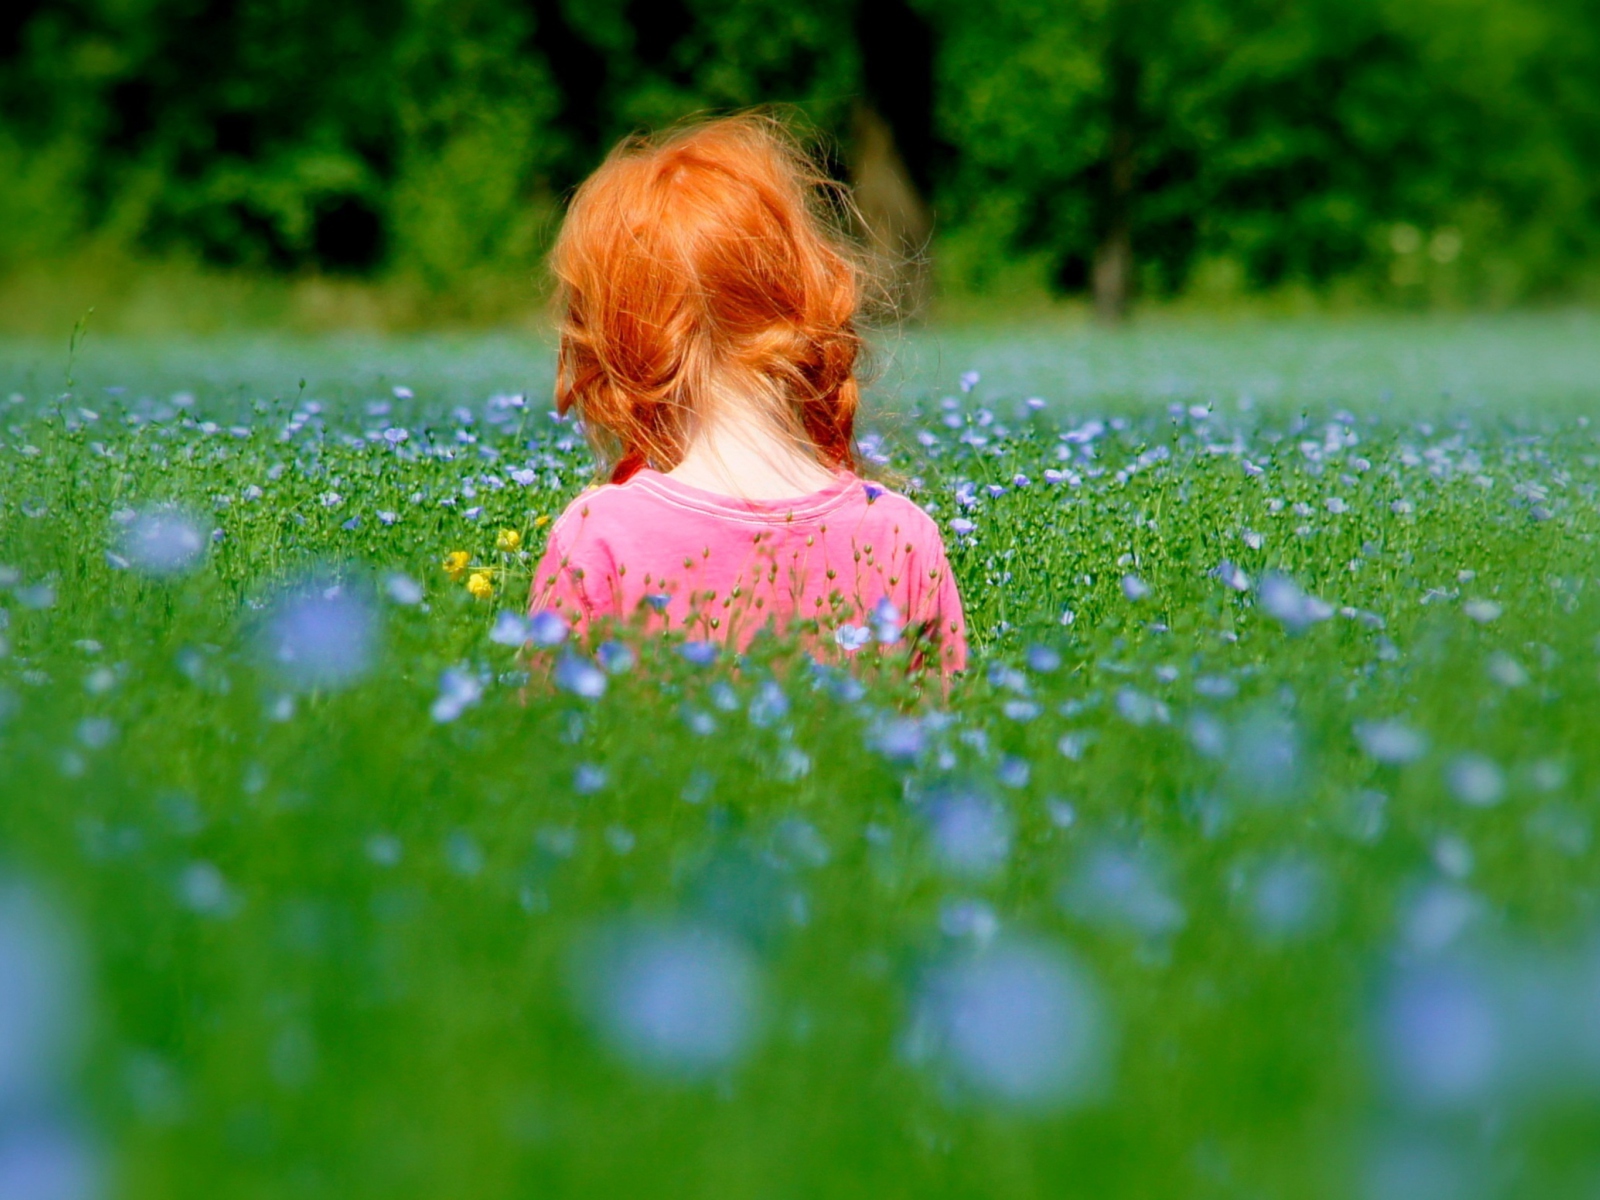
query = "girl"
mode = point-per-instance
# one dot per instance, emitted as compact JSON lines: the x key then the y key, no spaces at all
{"x":709,"y":345}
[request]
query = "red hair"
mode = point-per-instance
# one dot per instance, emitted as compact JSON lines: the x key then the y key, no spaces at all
{"x":701,"y":266}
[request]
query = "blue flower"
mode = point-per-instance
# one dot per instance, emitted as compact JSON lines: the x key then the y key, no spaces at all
{"x":320,"y":636}
{"x":769,"y":705}
{"x":581,"y":677}
{"x":852,"y":637}
{"x":511,"y":629}
{"x":615,"y":657}
{"x":1043,"y":659}
{"x":162,"y":542}
{"x":547,"y":629}
{"x":899,"y":740}
{"x":458,"y":691}
{"x":1231,"y":576}
{"x":887,"y":624}
{"x":700,"y":653}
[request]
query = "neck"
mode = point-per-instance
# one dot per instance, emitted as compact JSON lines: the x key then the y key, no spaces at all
{"x":741,"y":453}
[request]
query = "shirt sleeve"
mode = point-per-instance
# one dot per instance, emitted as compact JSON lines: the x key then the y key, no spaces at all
{"x":935,"y":610}
{"x":949,"y":621}
{"x":559,"y":582}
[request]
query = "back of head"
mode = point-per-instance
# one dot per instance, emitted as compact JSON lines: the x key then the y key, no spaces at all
{"x":702,"y":268}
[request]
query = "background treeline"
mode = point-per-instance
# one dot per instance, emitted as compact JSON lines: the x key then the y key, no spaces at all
{"x":1411,"y":150}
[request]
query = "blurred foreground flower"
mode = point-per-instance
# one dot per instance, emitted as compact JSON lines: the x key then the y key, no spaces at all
{"x":698,"y":653}
{"x":1465,"y":1025}
{"x":43,"y":1154}
{"x":674,"y":999}
{"x":1282,"y":597}
{"x":402,"y":589}
{"x":1018,"y":1023}
{"x":1264,"y":756}
{"x":616,"y":657}
{"x":547,"y":628}
{"x":851,"y":637}
{"x":45,"y":1158}
{"x":899,"y":739}
{"x":1475,"y":780}
{"x":1232,"y":576}
{"x":1391,"y":742}
{"x":510,"y":629}
{"x":1125,"y":889}
{"x":41,"y":997}
{"x":1285,"y":898}
{"x":458,"y":691}
{"x":578,"y":675}
{"x":888,"y":626}
{"x":321,"y":636}
{"x":163,"y":542}
{"x":970,"y":834}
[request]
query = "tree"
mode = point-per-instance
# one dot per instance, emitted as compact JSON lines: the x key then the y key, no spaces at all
{"x":1127,"y":140}
{"x":1427,"y":148}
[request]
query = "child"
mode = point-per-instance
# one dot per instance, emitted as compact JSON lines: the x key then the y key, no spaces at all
{"x":709,"y":345}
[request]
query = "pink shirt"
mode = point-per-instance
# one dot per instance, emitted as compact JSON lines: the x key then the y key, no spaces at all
{"x":862,"y":562}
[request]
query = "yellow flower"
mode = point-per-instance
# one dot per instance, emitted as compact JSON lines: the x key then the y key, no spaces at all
{"x":455,"y":564}
{"x":509,"y":539}
{"x":541,"y":521}
{"x":480,"y":585}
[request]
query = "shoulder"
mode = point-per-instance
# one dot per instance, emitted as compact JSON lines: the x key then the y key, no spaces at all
{"x":570,"y":531}
{"x":887,"y":508}
{"x":598,"y":509}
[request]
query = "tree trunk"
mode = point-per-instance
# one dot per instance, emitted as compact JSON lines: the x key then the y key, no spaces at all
{"x":897,"y":219}
{"x":1113,"y":272}
{"x":1113,"y":254}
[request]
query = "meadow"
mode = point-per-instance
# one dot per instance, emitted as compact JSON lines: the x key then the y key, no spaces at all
{"x":1254,"y":856}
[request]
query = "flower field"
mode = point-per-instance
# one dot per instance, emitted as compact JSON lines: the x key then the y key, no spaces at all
{"x":1255,"y":855}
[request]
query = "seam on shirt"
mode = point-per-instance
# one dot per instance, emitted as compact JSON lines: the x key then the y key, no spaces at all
{"x":786,"y":517}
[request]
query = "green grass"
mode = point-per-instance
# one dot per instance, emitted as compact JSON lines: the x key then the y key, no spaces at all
{"x":1208,"y":892}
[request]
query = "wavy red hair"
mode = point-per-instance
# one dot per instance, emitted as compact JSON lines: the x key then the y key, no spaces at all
{"x":700,"y":267}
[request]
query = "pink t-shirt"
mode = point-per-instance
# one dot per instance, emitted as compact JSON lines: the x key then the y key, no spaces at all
{"x":867,"y":565}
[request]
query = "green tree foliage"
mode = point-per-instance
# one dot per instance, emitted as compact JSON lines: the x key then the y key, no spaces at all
{"x":420,"y":134}
{"x":1288,"y":140}
{"x":1421,"y":148}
